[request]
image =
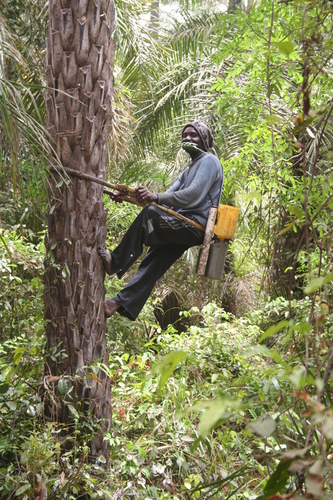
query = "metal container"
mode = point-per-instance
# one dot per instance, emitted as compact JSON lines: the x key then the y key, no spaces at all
{"x":216,"y":259}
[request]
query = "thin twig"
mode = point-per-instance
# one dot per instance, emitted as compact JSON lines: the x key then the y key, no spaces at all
{"x":320,"y":395}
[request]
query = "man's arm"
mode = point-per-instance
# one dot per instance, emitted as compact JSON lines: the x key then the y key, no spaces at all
{"x":174,"y":187}
{"x":209,"y":172}
{"x":195,"y":194}
{"x":143,"y":195}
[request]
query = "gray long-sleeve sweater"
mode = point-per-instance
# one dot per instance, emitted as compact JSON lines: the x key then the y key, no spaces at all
{"x":197,"y":188}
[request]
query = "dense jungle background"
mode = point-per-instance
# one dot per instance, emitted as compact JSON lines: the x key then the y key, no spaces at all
{"x":220,"y":389}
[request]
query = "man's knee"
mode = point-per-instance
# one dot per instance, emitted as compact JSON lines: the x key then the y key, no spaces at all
{"x":150,"y":209}
{"x":151,"y":212}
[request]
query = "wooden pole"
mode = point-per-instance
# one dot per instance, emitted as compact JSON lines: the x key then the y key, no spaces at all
{"x":130,"y":191}
{"x":87,"y":177}
{"x":206,"y":242}
{"x":180,"y":216}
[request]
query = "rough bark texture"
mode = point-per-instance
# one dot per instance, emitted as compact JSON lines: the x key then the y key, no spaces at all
{"x":78,"y":69}
{"x":282,"y":278}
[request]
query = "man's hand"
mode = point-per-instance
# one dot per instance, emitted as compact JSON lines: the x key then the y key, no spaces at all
{"x":144,"y":196}
{"x":117,"y":196}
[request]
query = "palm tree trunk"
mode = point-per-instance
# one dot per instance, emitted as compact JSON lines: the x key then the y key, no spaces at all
{"x":233,"y":5}
{"x":154,"y":16}
{"x":79,"y":58}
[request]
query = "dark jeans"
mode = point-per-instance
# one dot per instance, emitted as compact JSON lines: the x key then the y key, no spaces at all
{"x":167,"y":237}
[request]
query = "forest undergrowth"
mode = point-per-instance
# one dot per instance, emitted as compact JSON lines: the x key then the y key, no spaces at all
{"x":222,"y":410}
{"x":238,"y":402}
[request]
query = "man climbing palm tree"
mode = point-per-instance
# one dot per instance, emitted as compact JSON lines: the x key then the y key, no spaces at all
{"x":198,"y":188}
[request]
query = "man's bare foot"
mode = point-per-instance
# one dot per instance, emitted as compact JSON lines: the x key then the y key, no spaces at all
{"x":110,"y":307}
{"x":106,"y":259}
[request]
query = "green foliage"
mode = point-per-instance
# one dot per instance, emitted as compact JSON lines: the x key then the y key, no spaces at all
{"x":168,"y":365}
{"x":229,"y":417}
{"x":232,"y":407}
{"x":21,"y":262}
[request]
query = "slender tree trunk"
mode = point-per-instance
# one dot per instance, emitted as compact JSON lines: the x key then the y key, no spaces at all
{"x":79,"y":58}
{"x":233,"y":5}
{"x":154,"y":16}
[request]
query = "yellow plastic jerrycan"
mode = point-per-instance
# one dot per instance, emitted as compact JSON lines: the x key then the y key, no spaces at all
{"x":225,"y":225}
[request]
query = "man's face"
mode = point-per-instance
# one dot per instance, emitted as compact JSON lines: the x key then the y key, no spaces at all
{"x":191,"y":135}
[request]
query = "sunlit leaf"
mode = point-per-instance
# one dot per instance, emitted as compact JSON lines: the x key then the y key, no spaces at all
{"x":285,"y":46}
{"x":277,"y":480}
{"x":168,"y":366}
{"x":11,"y":405}
{"x":274,"y":329}
{"x":25,"y":487}
{"x":73,"y":411}
{"x":317,"y":283}
{"x":212,"y":417}
{"x":270,"y":353}
{"x":18,"y":354}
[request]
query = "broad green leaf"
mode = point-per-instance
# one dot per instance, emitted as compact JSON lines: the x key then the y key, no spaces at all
{"x":11,"y":405}
{"x":73,"y":410}
{"x":168,"y":366}
{"x":285,"y":46}
{"x":187,"y":484}
{"x":216,"y":411}
{"x":23,"y":489}
{"x":263,"y":427}
{"x":270,"y":353}
{"x":262,"y":396}
{"x":102,"y":459}
{"x":314,"y":285}
{"x":274,"y":329}
{"x":62,"y":387}
{"x":302,"y":328}
{"x":18,"y":354}
{"x":212,"y":417}
{"x":317,"y":283}
{"x":4,"y":388}
{"x":277,"y":481}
